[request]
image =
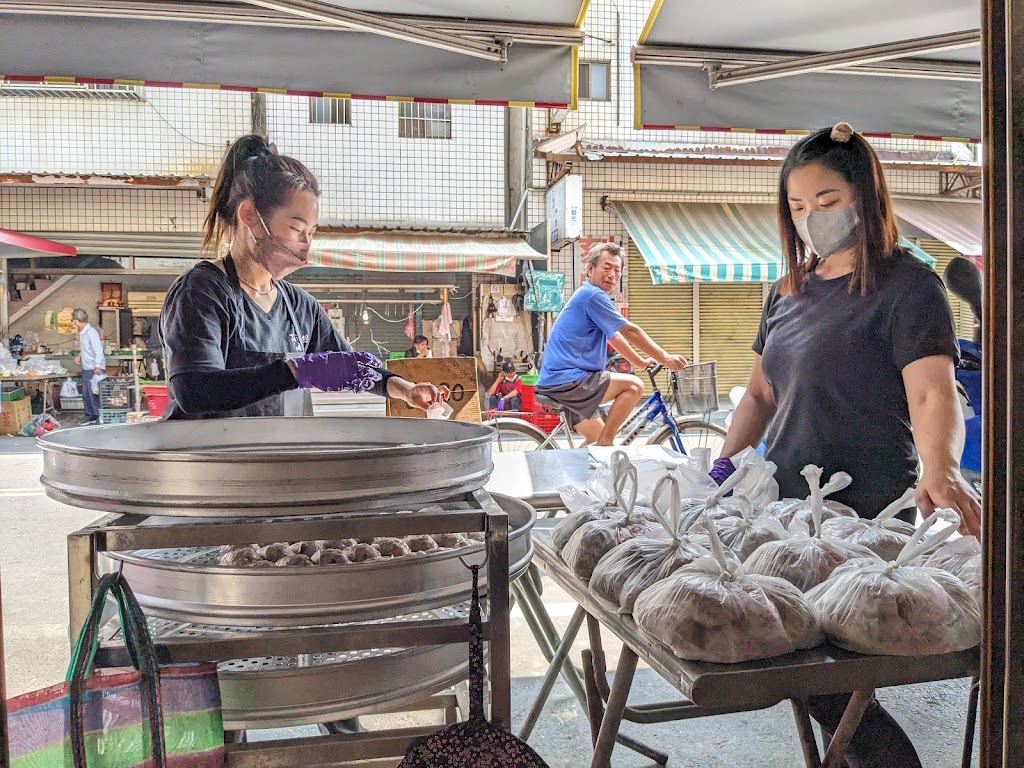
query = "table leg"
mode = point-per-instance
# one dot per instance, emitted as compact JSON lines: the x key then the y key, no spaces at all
{"x":806,"y":731}
{"x":556,"y":665}
{"x":616,"y":706}
{"x":972,"y":722}
{"x":847,"y":726}
{"x":533,"y":610}
{"x":595,"y":706}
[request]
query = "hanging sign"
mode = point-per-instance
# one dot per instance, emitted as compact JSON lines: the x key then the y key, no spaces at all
{"x":565,"y":210}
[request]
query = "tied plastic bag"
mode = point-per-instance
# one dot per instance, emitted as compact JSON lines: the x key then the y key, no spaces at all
{"x":886,"y":536}
{"x":715,"y":505}
{"x":605,"y":488}
{"x":745,"y":533}
{"x":759,"y":485}
{"x":962,"y":558}
{"x":594,"y":539}
{"x":94,"y":385}
{"x":794,"y":513}
{"x":899,"y":608}
{"x":69,"y":389}
{"x":806,"y":560}
{"x":713,"y":610}
{"x":631,"y":567}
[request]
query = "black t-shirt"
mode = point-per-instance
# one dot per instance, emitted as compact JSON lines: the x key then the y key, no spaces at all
{"x":834,"y":362}
{"x":208,"y":324}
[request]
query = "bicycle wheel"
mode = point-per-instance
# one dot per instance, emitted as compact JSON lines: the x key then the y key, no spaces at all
{"x":518,"y":436}
{"x":694,"y":434}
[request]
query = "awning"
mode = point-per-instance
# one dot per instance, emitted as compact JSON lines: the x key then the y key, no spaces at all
{"x":18,"y":245}
{"x":705,"y":242}
{"x":934,"y":94}
{"x":958,"y":225}
{"x":465,"y":51}
{"x":388,"y":252}
{"x":710,"y":242}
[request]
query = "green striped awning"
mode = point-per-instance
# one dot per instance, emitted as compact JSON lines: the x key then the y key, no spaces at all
{"x":705,"y":242}
{"x":710,"y":242}
{"x":427,"y":252}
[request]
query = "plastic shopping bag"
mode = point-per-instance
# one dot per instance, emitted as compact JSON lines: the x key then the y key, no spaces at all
{"x":744,"y":533}
{"x":148,"y":716}
{"x":713,"y":610}
{"x":633,"y":566}
{"x":900,"y":608}
{"x":95,"y":384}
{"x":885,"y":535}
{"x":69,"y":388}
{"x":797,"y":512}
{"x":806,"y":558}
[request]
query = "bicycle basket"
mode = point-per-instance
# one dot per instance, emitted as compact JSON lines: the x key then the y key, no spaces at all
{"x":696,"y":388}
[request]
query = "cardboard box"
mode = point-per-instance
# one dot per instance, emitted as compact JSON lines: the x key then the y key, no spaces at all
{"x":456,"y":373}
{"x":15,"y":414}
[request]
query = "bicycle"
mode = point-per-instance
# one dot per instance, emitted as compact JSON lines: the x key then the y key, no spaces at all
{"x":692,"y":390}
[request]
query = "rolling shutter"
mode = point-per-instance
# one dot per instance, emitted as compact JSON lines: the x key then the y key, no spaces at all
{"x":664,"y":311}
{"x":729,"y":317}
{"x":943,"y":254}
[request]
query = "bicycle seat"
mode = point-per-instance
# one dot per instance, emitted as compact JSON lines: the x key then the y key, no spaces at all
{"x":547,"y":401}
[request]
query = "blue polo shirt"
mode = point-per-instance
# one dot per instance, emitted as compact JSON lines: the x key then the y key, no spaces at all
{"x":578,"y":344}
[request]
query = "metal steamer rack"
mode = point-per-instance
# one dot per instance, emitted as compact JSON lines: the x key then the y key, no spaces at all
{"x":305,"y":644}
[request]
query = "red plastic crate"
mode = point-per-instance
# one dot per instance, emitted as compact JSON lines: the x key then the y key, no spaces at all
{"x":546,"y":420}
{"x":528,"y":398}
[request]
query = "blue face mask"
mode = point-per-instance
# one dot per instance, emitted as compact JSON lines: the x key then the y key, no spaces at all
{"x":828,"y":232}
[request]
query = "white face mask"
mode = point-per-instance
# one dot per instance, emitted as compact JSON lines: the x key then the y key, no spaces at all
{"x":828,"y":232}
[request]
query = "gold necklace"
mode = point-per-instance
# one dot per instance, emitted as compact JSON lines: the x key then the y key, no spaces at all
{"x":257,"y":291}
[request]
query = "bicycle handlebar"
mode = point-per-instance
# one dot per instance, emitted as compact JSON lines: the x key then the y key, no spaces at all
{"x":653,"y":371}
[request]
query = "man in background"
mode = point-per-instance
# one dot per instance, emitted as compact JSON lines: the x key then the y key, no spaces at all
{"x":93,"y":363}
{"x":506,"y":391}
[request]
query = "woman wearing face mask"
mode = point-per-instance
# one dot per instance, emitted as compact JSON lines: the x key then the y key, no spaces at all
{"x":854,"y":368}
{"x":239,"y":340}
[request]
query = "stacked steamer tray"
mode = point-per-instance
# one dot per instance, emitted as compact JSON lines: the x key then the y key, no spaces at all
{"x":298,"y":645}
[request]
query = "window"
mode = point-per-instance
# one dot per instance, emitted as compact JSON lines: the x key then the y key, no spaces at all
{"x":595,"y":78}
{"x":73,"y":91}
{"x":329,"y":111}
{"x":424,"y":121}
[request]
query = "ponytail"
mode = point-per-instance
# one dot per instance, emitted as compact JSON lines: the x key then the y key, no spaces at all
{"x":252,"y":169}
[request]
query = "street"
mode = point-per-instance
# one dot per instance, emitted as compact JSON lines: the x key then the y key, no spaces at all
{"x":32,"y":553}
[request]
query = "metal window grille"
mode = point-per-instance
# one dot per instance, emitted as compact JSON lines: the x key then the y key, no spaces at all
{"x":329,"y":111}
{"x":424,"y":121}
{"x":595,"y":79}
{"x":72,"y":91}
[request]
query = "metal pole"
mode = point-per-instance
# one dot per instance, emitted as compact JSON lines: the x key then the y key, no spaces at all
{"x":994,"y":399}
{"x":5,"y":759}
{"x":1013,"y":696}
{"x":5,"y":316}
{"x":871,"y":54}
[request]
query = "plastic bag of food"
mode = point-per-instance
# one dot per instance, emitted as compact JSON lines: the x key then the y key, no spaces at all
{"x":797,"y":512}
{"x":594,"y":539}
{"x":962,"y":558}
{"x":900,"y":608}
{"x":745,"y":533}
{"x":631,"y":567}
{"x":885,"y":535}
{"x":591,"y":504}
{"x":713,"y":610}
{"x":806,"y":559}
{"x":719,"y":503}
{"x":759,"y":485}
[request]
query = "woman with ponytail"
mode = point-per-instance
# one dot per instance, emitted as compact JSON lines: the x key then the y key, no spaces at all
{"x":241,"y":341}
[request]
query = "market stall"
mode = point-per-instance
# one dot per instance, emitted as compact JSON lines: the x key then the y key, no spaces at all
{"x":547,"y":479}
{"x":297,"y":645}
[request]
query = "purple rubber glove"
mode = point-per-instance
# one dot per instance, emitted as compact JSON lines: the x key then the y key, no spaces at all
{"x":722,"y":470}
{"x":501,"y":404}
{"x":336,"y":371}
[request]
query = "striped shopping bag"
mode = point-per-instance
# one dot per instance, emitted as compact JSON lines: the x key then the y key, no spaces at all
{"x":146,"y":717}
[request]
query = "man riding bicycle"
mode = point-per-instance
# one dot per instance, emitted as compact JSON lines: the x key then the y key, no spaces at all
{"x":573,"y":371}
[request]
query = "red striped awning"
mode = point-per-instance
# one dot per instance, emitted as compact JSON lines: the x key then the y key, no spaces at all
{"x":956,"y":224}
{"x":390,"y":252}
{"x":18,"y":245}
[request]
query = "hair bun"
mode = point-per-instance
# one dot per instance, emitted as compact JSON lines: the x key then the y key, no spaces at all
{"x":841,"y":132}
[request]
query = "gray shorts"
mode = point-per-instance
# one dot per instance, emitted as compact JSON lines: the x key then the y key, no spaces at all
{"x":580,"y":398}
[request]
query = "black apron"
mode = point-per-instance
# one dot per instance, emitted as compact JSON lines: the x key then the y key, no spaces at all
{"x":297,"y":402}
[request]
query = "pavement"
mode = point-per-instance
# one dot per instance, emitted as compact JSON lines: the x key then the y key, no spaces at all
{"x":33,"y":573}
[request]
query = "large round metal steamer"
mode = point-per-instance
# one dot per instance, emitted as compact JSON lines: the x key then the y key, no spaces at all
{"x":287,"y":473}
